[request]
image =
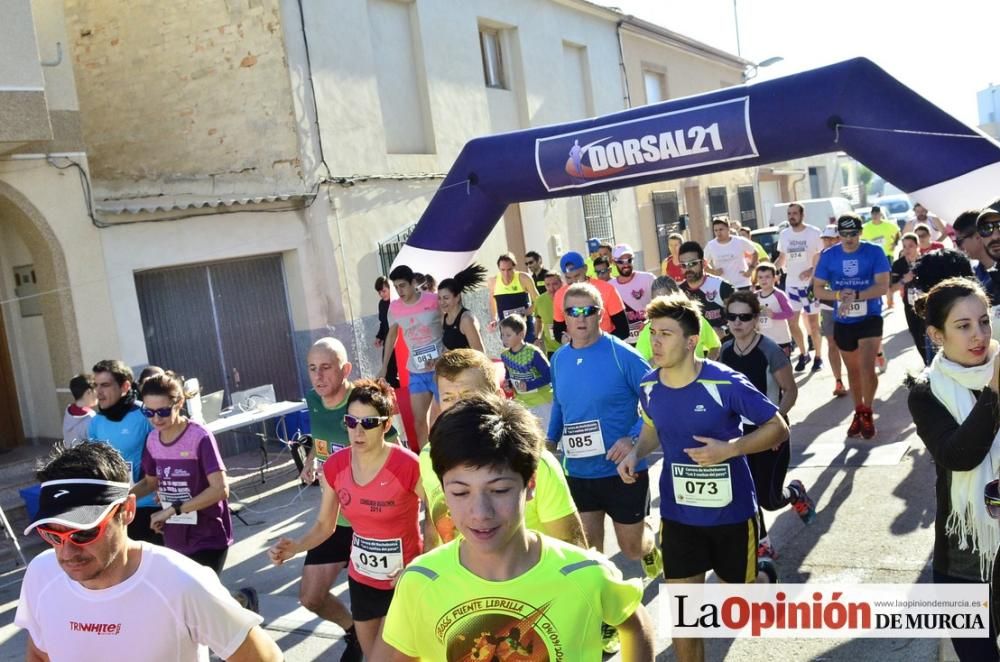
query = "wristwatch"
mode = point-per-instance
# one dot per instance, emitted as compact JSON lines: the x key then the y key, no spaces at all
{"x":176,"y":505}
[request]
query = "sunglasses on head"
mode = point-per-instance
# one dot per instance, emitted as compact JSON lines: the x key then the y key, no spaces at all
{"x":991,"y":494}
{"x":581,"y":311}
{"x":986,"y":229}
{"x":366,"y":422}
{"x":691,"y":263}
{"x":79,"y":537}
{"x":848,"y":234}
{"x":162,"y":412}
{"x":743,"y":317}
{"x":624,"y":260}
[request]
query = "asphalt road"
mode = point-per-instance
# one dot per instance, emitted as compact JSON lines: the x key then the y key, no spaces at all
{"x":875,"y":525}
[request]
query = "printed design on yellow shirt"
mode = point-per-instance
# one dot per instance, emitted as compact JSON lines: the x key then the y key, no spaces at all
{"x":501,"y":629}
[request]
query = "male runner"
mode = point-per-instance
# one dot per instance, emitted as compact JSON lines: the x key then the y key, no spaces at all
{"x":800,"y":246}
{"x":855,"y":274}
{"x":613,"y":321}
{"x":511,"y":292}
{"x":533,"y":261}
{"x":921,"y":215}
{"x":692,"y":409}
{"x":99,"y":595}
{"x":329,"y":371}
{"x":502,"y":591}
{"x":595,"y":380}
{"x":120,"y":422}
{"x":634,"y":287}
{"x":462,"y":374}
{"x":826,"y":314}
{"x":545,"y":334}
{"x":731,"y":257}
{"x":710,"y":291}
{"x":417,"y":315}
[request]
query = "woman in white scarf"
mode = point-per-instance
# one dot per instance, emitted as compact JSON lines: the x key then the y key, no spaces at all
{"x":956,"y":410}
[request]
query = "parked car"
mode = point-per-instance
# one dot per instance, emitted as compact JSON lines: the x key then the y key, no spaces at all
{"x":768,"y":238}
{"x":865,"y":213}
{"x":819,"y":211}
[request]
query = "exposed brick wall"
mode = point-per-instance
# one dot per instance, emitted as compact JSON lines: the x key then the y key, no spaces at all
{"x":184,"y":96}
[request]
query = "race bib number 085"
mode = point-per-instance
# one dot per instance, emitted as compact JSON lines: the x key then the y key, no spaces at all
{"x":581,"y":440}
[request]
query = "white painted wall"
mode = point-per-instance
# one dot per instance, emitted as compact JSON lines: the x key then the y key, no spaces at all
{"x":19,"y":62}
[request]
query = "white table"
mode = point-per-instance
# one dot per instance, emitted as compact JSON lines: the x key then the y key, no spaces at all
{"x":259,"y":415}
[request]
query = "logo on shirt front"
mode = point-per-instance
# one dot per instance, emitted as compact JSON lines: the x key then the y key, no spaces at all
{"x":851,"y":268}
{"x":499,"y":629}
{"x":96,"y":628}
{"x":345,"y":496}
{"x":699,"y":408}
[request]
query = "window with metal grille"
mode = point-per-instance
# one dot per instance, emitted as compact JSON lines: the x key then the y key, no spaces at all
{"x":718,"y":201}
{"x":389,"y":249}
{"x":597,"y":217}
{"x":748,"y":206}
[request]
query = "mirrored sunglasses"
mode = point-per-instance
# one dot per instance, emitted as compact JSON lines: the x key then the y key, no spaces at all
{"x":624,"y":260}
{"x":987,"y":229}
{"x":366,"y":422}
{"x":79,"y":537}
{"x":991,"y":494}
{"x":581,"y":311}
{"x":690,"y":263}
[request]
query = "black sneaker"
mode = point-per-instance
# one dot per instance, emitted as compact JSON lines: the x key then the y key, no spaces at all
{"x":817,"y":364}
{"x":802,"y":363}
{"x":353,"y":651}
{"x":247,"y":597}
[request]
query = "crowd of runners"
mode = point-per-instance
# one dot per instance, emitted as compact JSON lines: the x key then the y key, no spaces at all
{"x":480,"y":535}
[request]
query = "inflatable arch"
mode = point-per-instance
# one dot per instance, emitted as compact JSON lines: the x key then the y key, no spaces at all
{"x":852,"y":106}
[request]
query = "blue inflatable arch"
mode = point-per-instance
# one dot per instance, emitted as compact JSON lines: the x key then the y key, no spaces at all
{"x":852,"y":106}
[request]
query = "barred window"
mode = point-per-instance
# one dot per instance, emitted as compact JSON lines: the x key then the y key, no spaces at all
{"x":389,"y":249}
{"x":597,"y":217}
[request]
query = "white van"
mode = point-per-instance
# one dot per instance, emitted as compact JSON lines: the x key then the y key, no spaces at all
{"x":819,"y":211}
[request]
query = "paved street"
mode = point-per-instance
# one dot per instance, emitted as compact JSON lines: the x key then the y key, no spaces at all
{"x":875,"y":524}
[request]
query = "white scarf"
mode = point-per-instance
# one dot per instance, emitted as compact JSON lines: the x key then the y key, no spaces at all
{"x":952,"y":384}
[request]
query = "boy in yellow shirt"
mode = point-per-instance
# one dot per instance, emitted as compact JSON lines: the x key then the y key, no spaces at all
{"x":502,"y":590}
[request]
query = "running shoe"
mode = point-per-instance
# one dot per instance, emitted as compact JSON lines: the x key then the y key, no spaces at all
{"x":867,"y":423}
{"x":248,"y":598}
{"x":767,"y":566}
{"x":803,"y":362}
{"x":855,"y":429}
{"x":609,"y":636}
{"x":839,"y":391}
{"x":817,"y":364}
{"x":800,"y":501}
{"x":652,"y":563}
{"x":765,"y":550}
{"x":881,"y":363}
{"x":353,"y":652}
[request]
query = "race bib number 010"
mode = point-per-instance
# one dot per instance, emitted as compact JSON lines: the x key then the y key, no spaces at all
{"x":704,"y":487}
{"x":375,"y":558}
{"x":581,"y":440}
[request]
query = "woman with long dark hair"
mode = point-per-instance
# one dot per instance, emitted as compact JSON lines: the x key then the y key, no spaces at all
{"x":956,"y":409}
{"x":461,"y":328}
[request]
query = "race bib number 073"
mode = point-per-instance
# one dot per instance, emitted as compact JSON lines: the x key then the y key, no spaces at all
{"x":702,"y":486}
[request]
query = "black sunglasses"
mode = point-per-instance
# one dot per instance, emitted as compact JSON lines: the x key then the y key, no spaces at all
{"x":366,"y":422}
{"x":581,"y":311}
{"x":743,"y":317}
{"x":162,"y":412}
{"x":847,"y":234}
{"x":991,"y":494}
{"x":959,"y":240}
{"x":988,"y":228}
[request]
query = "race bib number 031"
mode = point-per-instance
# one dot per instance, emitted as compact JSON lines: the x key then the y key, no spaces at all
{"x":375,"y":558}
{"x":704,"y":487}
{"x":580,"y":440}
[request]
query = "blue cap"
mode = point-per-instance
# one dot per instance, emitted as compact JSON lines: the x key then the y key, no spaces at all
{"x":571,"y":261}
{"x":593,"y":245}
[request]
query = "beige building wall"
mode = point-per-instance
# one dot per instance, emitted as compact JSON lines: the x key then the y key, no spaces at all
{"x":185,"y":96}
{"x":23,"y":109}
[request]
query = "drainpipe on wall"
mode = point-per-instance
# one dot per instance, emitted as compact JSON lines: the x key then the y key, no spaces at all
{"x":621,"y":65}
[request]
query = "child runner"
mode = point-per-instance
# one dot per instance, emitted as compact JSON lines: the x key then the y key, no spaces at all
{"x":775,"y":310}
{"x":501,"y":591}
{"x":76,"y":418}
{"x":377,"y":484}
{"x":527,"y":369}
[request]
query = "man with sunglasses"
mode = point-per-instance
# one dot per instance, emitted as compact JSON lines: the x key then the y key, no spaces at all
{"x":595,"y":382}
{"x":533,"y":261}
{"x":100,"y":595}
{"x":574,"y":268}
{"x":120,"y":422}
{"x":634,"y":287}
{"x":968,"y":241}
{"x":855,"y":275}
{"x":988,"y":229}
{"x":710,"y":291}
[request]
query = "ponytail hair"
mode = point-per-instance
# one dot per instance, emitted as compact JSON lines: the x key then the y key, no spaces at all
{"x":465,"y":280}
